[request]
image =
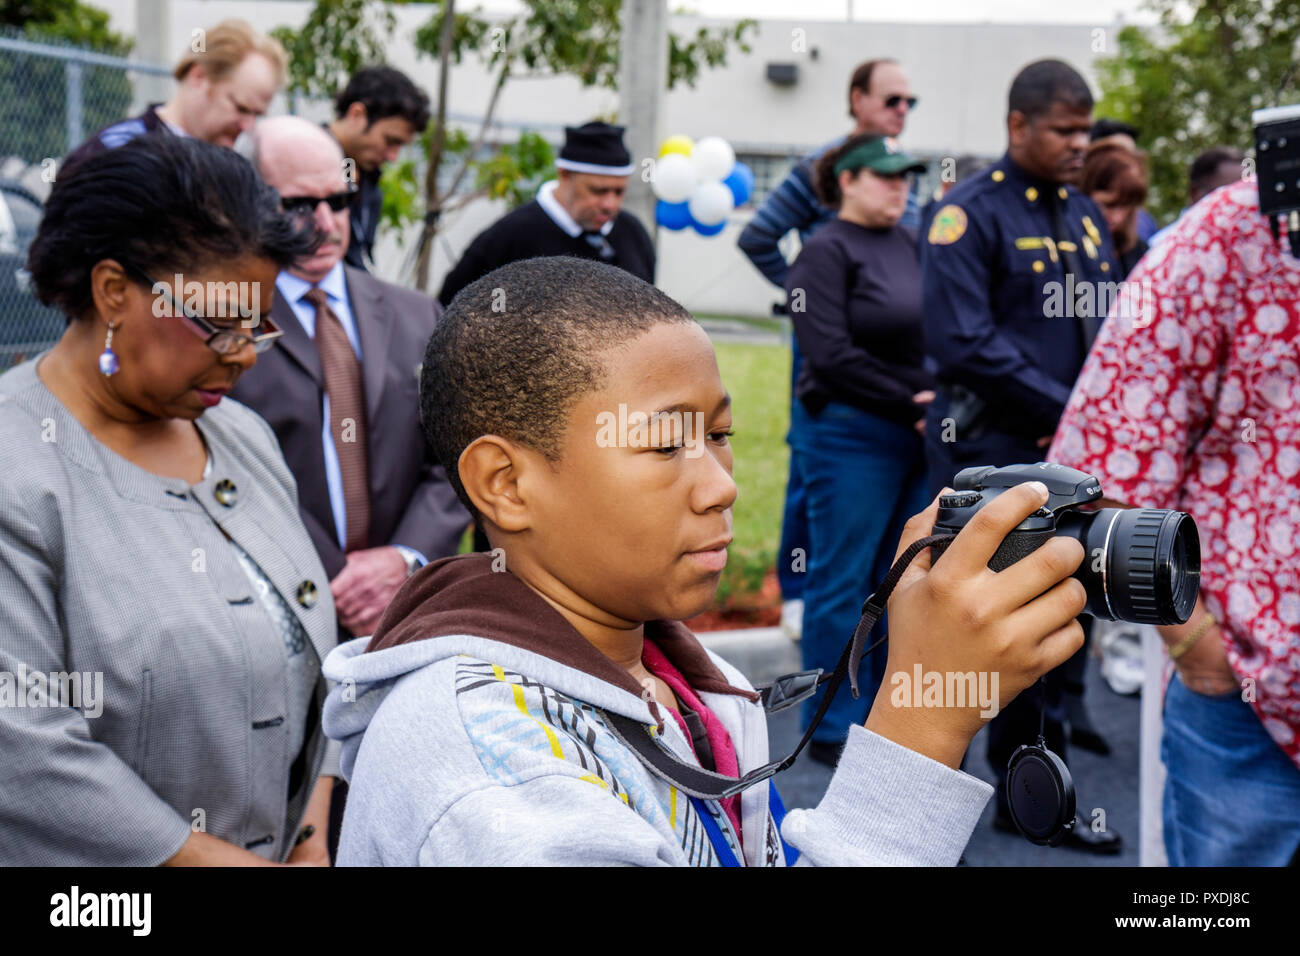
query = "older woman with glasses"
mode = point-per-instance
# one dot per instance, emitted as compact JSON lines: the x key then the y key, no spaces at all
{"x":162,"y":609}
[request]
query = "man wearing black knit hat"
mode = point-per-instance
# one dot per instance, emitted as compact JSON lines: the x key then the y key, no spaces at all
{"x":579,"y":213}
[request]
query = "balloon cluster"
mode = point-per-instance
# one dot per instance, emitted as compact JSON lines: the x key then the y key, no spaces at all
{"x":698,"y":184}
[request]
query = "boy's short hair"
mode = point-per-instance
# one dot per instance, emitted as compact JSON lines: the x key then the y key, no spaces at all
{"x":518,"y":347}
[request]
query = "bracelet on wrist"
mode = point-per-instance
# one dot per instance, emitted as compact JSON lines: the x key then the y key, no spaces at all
{"x":1185,"y":645}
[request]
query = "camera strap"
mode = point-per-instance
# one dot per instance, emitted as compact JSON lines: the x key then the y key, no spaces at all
{"x":781,"y":693}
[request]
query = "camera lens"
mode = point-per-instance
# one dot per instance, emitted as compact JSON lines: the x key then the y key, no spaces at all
{"x":1143,"y":565}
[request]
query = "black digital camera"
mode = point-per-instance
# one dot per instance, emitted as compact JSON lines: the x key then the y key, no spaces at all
{"x":1141,"y":565}
{"x":1277,"y":158}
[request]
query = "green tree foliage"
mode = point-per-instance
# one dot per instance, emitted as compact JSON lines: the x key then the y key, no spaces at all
{"x":32,"y":89}
{"x":339,"y":38}
{"x":1193,"y":81}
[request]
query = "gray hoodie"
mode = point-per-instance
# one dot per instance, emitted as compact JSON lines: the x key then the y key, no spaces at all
{"x":472,"y":734}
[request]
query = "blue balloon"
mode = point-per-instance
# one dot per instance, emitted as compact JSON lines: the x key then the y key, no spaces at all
{"x":704,"y":230}
{"x":740,"y":182}
{"x":672,"y":215}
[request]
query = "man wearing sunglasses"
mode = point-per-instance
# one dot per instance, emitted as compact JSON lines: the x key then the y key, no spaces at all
{"x":880,"y":100}
{"x":341,"y":391}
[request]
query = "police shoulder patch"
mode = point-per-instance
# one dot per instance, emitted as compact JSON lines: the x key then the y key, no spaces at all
{"x":948,"y":225}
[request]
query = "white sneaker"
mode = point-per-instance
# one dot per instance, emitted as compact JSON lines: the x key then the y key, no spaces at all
{"x":792,"y":619}
{"x":1120,"y":646}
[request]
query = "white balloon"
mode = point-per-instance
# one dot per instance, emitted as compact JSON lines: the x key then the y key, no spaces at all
{"x":711,"y":203}
{"x":713,"y":158}
{"x":674,"y":178}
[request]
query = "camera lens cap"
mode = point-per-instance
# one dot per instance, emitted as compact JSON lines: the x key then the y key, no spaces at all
{"x":1040,"y":793}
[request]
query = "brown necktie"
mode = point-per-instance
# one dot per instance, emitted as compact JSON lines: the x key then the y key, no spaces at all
{"x":347,"y":402}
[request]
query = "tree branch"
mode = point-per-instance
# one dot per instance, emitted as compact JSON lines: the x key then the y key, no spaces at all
{"x":483,"y":127}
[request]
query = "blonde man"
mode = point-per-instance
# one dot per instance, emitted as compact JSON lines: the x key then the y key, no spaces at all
{"x":225,"y":81}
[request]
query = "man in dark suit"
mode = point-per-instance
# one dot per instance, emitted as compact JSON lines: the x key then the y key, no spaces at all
{"x":341,"y":391}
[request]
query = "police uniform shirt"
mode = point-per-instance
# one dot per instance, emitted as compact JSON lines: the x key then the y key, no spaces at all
{"x":1001,"y":317}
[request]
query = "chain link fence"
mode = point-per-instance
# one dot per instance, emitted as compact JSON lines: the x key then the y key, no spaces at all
{"x":52,"y":96}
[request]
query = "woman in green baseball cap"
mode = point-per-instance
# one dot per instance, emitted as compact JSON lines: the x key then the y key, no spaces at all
{"x":855,"y":301}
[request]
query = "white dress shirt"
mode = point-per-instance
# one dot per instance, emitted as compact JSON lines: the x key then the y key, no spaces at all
{"x":559,"y":215}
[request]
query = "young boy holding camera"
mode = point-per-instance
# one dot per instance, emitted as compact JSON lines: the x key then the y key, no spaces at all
{"x":475,"y":722}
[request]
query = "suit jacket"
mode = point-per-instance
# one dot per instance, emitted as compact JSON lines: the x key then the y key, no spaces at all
{"x":109,"y":570}
{"x":411,"y":501}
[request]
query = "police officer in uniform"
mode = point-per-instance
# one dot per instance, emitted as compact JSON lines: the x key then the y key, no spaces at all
{"x":1015,"y":267}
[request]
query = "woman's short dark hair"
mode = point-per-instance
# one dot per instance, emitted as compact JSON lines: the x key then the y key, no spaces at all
{"x":162,"y":204}
{"x":1109,"y":167}
{"x":824,"y":180}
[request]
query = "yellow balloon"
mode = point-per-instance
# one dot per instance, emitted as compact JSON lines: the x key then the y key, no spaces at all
{"x":677,"y":144}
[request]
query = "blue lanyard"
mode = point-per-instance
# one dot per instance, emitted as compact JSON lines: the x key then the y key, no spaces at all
{"x":727,"y":856}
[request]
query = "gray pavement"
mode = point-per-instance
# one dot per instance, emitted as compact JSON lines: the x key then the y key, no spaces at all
{"x":1108,"y":783}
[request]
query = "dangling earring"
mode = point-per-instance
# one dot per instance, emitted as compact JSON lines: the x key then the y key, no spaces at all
{"x":108,"y":363}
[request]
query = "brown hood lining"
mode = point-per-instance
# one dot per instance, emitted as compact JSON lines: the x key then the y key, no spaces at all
{"x":463,"y":595}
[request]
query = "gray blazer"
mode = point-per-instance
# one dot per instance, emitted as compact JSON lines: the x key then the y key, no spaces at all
{"x":107,"y":569}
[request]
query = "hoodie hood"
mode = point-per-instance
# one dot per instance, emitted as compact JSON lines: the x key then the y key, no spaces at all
{"x":460,"y":605}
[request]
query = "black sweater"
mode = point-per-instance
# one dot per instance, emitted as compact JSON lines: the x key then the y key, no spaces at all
{"x":528,"y":231}
{"x":859,"y":327}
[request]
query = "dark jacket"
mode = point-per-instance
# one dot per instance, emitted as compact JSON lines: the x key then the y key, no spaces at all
{"x":528,"y":232}
{"x":120,"y":133}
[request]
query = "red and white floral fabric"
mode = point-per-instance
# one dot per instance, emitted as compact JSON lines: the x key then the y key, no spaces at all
{"x":1190,"y":399}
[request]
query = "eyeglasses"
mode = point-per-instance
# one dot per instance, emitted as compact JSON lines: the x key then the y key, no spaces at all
{"x":223,"y":341}
{"x":891,"y":102}
{"x":298,"y":205}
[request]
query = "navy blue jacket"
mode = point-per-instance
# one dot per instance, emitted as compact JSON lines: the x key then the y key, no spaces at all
{"x":118,"y":134}
{"x":993,"y":318}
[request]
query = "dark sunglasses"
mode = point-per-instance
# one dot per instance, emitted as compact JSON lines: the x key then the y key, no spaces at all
{"x":299,"y":205}
{"x":892,"y":102}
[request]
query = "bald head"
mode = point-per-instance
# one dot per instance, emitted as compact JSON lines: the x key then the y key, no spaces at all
{"x":290,"y":147}
{"x":300,"y":159}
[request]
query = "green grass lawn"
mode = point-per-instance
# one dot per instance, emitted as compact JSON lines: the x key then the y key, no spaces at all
{"x":758,"y":378}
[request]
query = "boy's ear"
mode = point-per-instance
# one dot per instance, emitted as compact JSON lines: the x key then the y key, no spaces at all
{"x":491,"y":469}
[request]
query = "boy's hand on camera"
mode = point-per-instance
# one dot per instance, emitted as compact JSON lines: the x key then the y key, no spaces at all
{"x":957,"y":616}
